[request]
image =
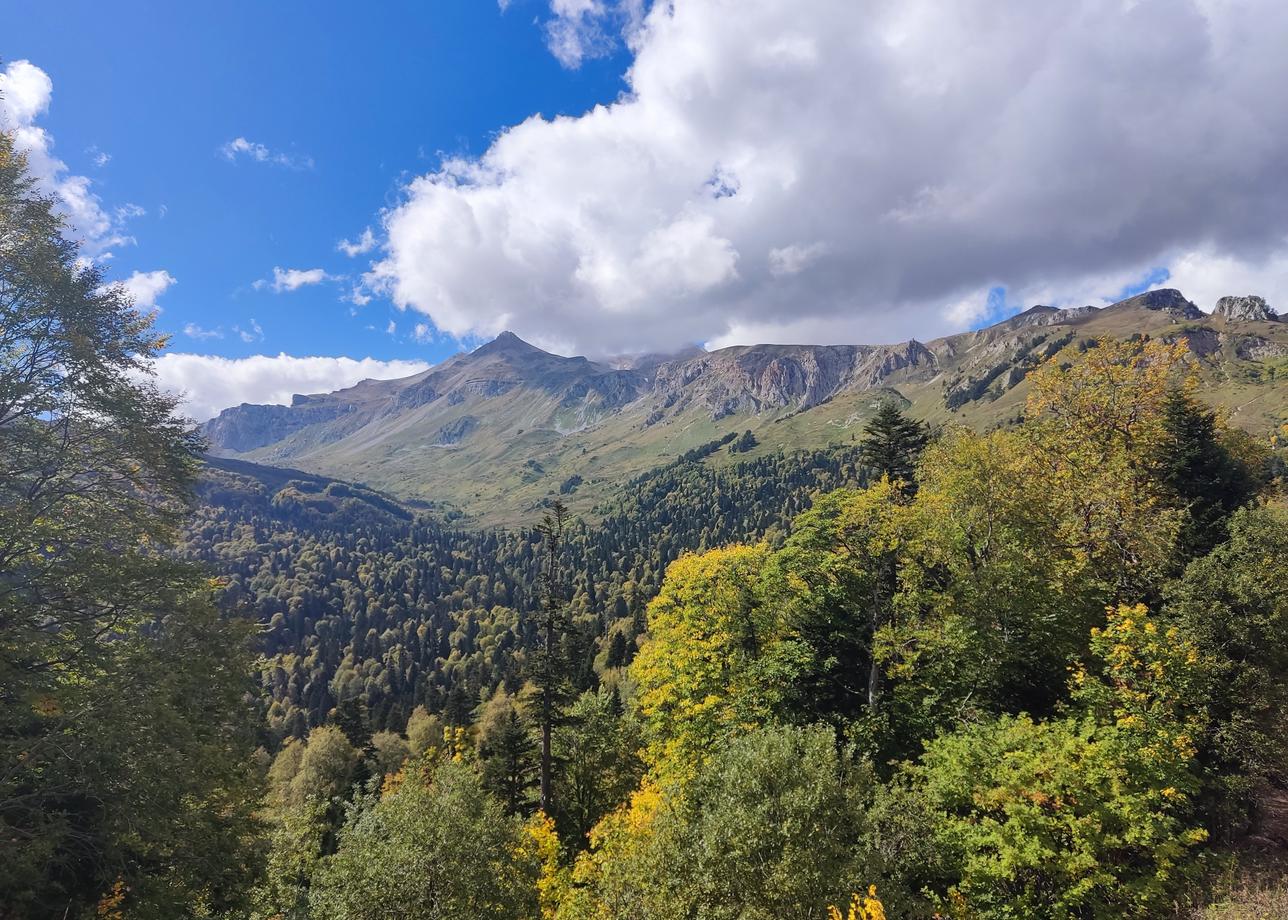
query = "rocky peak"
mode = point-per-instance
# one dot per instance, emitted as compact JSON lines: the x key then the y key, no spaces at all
{"x":1164,"y":300}
{"x":507,"y":343}
{"x":1249,"y":308}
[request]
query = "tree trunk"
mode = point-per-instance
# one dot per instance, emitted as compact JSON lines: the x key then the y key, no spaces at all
{"x":547,"y":711}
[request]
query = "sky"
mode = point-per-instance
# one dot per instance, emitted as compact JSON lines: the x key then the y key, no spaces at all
{"x":313,"y":193}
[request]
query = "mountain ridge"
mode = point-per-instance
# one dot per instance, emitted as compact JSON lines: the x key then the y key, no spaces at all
{"x":498,"y":431}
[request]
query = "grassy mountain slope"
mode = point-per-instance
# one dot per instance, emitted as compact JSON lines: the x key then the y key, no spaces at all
{"x":496,"y":433}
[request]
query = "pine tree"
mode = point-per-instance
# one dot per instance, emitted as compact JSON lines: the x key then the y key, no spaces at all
{"x":892,"y":444}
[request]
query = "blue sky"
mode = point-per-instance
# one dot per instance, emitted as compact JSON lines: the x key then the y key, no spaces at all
{"x":620,"y":176}
{"x":356,"y":96}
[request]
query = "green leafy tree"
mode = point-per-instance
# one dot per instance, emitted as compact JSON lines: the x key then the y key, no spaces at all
{"x":1235,"y":603}
{"x":389,"y":751}
{"x":743,"y":443}
{"x":432,"y":848}
{"x":837,"y":579}
{"x":123,"y":732}
{"x":310,"y":784}
{"x":598,"y":751}
{"x":424,"y":732}
{"x":769,"y":828}
{"x":1091,"y":815}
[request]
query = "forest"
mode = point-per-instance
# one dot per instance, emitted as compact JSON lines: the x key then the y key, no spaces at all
{"x":1031,"y":672}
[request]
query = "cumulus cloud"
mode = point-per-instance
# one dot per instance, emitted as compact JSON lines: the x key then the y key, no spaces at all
{"x":145,"y":287}
{"x":292,"y":279}
{"x":26,"y":92}
{"x":860,"y":172}
{"x":209,"y":384}
{"x":240,"y":148}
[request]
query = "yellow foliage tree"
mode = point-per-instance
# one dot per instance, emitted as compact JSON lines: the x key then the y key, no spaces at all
{"x":713,"y":664}
{"x":862,"y":907}
{"x":1094,"y":426}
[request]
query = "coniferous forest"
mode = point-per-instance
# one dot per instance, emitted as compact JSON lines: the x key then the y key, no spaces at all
{"x":1037,"y":671}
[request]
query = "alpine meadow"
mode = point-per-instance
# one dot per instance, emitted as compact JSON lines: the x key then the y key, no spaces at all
{"x":509,"y":562}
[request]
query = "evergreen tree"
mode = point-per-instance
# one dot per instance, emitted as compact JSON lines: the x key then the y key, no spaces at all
{"x":1199,"y":474}
{"x":506,"y":749}
{"x":892,"y":444}
{"x":550,"y":676}
{"x":616,"y":656}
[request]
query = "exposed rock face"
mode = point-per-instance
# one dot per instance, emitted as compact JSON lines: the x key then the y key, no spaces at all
{"x":1249,"y":308}
{"x":457,"y":431}
{"x":756,"y":378}
{"x":246,"y":427}
{"x":1202,"y":342}
{"x":1165,"y":300}
{"x":1256,"y":348}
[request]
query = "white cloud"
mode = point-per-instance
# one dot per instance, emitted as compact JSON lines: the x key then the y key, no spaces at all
{"x":252,"y":334}
{"x":193,"y":331}
{"x":210,"y":383}
{"x":422,"y":332}
{"x":364,"y":243}
{"x":100,"y":158}
{"x":292,"y":279}
{"x":391,"y":328}
{"x":578,"y":30}
{"x":240,"y":147}
{"x":145,"y":287}
{"x":1206,"y":276}
{"x":860,"y":170}
{"x":26,"y":92}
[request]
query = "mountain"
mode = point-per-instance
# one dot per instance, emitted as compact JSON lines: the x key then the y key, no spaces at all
{"x":495,"y":433}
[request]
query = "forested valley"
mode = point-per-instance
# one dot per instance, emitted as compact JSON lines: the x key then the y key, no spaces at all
{"x":1030,"y":672}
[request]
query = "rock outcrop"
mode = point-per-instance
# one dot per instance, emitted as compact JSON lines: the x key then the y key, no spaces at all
{"x":1249,"y":308}
{"x":1164,"y":300}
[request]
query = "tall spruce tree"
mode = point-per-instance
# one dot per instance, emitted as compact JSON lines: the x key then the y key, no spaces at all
{"x":1200,"y":475}
{"x":550,"y":676}
{"x":506,"y":749}
{"x":892,"y":444}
